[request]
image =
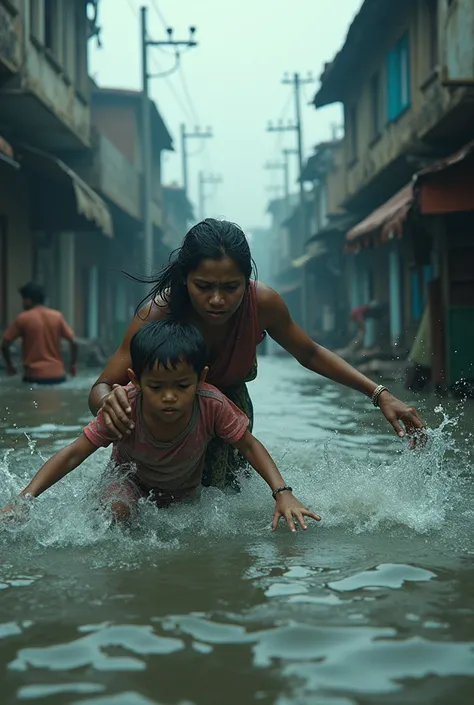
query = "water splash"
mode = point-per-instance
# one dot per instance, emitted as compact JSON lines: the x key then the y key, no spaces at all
{"x":418,"y":490}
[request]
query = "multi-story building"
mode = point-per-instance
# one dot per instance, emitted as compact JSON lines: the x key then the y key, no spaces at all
{"x":178,"y":213}
{"x":45,"y":116}
{"x":405,"y":77}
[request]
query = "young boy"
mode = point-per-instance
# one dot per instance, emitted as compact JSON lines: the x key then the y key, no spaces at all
{"x":175,"y":414}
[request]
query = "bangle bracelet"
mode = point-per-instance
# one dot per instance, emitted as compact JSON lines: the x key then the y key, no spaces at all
{"x":284,"y":488}
{"x":378,"y":391}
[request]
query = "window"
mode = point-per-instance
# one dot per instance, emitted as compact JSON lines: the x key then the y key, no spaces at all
{"x":52,"y":32}
{"x":432,"y":26}
{"x":353,"y":134}
{"x":37,"y":19}
{"x":80,"y":45}
{"x":398,"y":79}
{"x":375,"y":106}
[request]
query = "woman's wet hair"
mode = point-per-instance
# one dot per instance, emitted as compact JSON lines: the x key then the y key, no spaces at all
{"x":209,"y":239}
{"x":167,"y":343}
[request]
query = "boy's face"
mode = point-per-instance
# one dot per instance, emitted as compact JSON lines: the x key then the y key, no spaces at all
{"x":168,"y":394}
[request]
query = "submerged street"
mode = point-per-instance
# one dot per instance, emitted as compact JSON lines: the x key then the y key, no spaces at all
{"x":203,"y":604}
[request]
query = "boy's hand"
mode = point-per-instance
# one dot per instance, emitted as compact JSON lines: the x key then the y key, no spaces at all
{"x":288,"y":507}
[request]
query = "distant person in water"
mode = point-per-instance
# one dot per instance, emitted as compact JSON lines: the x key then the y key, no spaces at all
{"x":175,"y":415}
{"x":208,"y":282}
{"x":360,"y":315}
{"x":41,"y":330}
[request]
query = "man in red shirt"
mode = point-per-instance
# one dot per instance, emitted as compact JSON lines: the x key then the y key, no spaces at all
{"x":41,"y":329}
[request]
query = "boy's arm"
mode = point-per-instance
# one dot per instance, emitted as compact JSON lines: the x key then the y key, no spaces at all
{"x":287,"y":505}
{"x":59,"y":465}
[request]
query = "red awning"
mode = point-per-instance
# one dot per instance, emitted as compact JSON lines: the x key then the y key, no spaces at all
{"x":386,"y":221}
{"x":448,"y":185}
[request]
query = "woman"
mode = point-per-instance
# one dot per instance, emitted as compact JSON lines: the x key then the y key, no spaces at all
{"x":208,"y":283}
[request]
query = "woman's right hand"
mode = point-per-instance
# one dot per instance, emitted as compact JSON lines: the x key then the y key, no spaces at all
{"x":117,"y":412}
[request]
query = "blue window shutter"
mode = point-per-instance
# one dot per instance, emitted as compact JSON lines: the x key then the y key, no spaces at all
{"x":405,"y":47}
{"x":393,"y":84}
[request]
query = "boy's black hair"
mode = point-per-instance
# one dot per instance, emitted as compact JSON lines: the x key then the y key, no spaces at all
{"x":32,"y":291}
{"x":167,"y":343}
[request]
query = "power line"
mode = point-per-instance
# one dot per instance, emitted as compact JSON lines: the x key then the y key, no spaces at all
{"x":132,"y":7}
{"x":188,"y":95}
{"x":160,"y":15}
{"x":176,"y":96}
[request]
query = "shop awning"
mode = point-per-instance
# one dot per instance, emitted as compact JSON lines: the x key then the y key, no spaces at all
{"x":87,"y":203}
{"x":315,"y":249}
{"x":6,"y":153}
{"x":448,"y":185}
{"x":337,"y":225}
{"x":385,"y":222}
{"x":288,"y":288}
{"x":301,"y":261}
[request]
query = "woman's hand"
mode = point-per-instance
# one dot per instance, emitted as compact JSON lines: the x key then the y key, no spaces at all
{"x":288,"y":507}
{"x":395,"y":411}
{"x":117,"y":412}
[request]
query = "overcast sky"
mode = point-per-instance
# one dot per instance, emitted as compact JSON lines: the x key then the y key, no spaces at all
{"x":234,"y":81}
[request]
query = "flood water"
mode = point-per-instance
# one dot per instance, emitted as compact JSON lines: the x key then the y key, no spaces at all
{"x":204,"y":605}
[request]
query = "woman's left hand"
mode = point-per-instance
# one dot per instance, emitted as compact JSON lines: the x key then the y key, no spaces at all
{"x":395,"y":411}
{"x":288,"y":507}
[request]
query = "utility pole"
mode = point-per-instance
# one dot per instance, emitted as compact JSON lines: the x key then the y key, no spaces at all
{"x":282,"y":166}
{"x":296,"y":82}
{"x":146,"y":136}
{"x":185,"y":136}
{"x":202,"y":181}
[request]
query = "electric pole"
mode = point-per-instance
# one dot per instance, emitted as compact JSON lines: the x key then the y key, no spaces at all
{"x":146,"y":136}
{"x":296,"y":82}
{"x":202,"y":181}
{"x":282,"y":166}
{"x":185,"y":136}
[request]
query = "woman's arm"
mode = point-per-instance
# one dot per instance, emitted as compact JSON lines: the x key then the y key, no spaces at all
{"x":107,"y":392}
{"x":276,"y":319}
{"x":287,"y":506}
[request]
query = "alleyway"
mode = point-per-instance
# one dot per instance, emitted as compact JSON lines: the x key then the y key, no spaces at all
{"x":377,"y":600}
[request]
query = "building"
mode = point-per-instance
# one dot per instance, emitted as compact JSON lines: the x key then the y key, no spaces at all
{"x":106,"y":296}
{"x":70,"y":173}
{"x":405,"y":77}
{"x":45,"y":118}
{"x":324,"y":262}
{"x":178,"y":212}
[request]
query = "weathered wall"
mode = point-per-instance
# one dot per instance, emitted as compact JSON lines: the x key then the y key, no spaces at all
{"x":19,"y":250}
{"x":430,"y":100}
{"x":119,"y":124}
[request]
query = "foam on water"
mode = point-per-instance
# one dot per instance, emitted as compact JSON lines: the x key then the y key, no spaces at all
{"x":421,"y":490}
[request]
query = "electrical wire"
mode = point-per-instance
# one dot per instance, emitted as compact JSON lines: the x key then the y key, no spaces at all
{"x":132,"y":7}
{"x":192,"y":109}
{"x":187,"y":94}
{"x":161,"y":16}
{"x":175,"y":95}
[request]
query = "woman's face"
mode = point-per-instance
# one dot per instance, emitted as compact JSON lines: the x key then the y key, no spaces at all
{"x":216,"y":289}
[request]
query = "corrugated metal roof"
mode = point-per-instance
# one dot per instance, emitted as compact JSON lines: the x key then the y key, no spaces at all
{"x":387,"y":218}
